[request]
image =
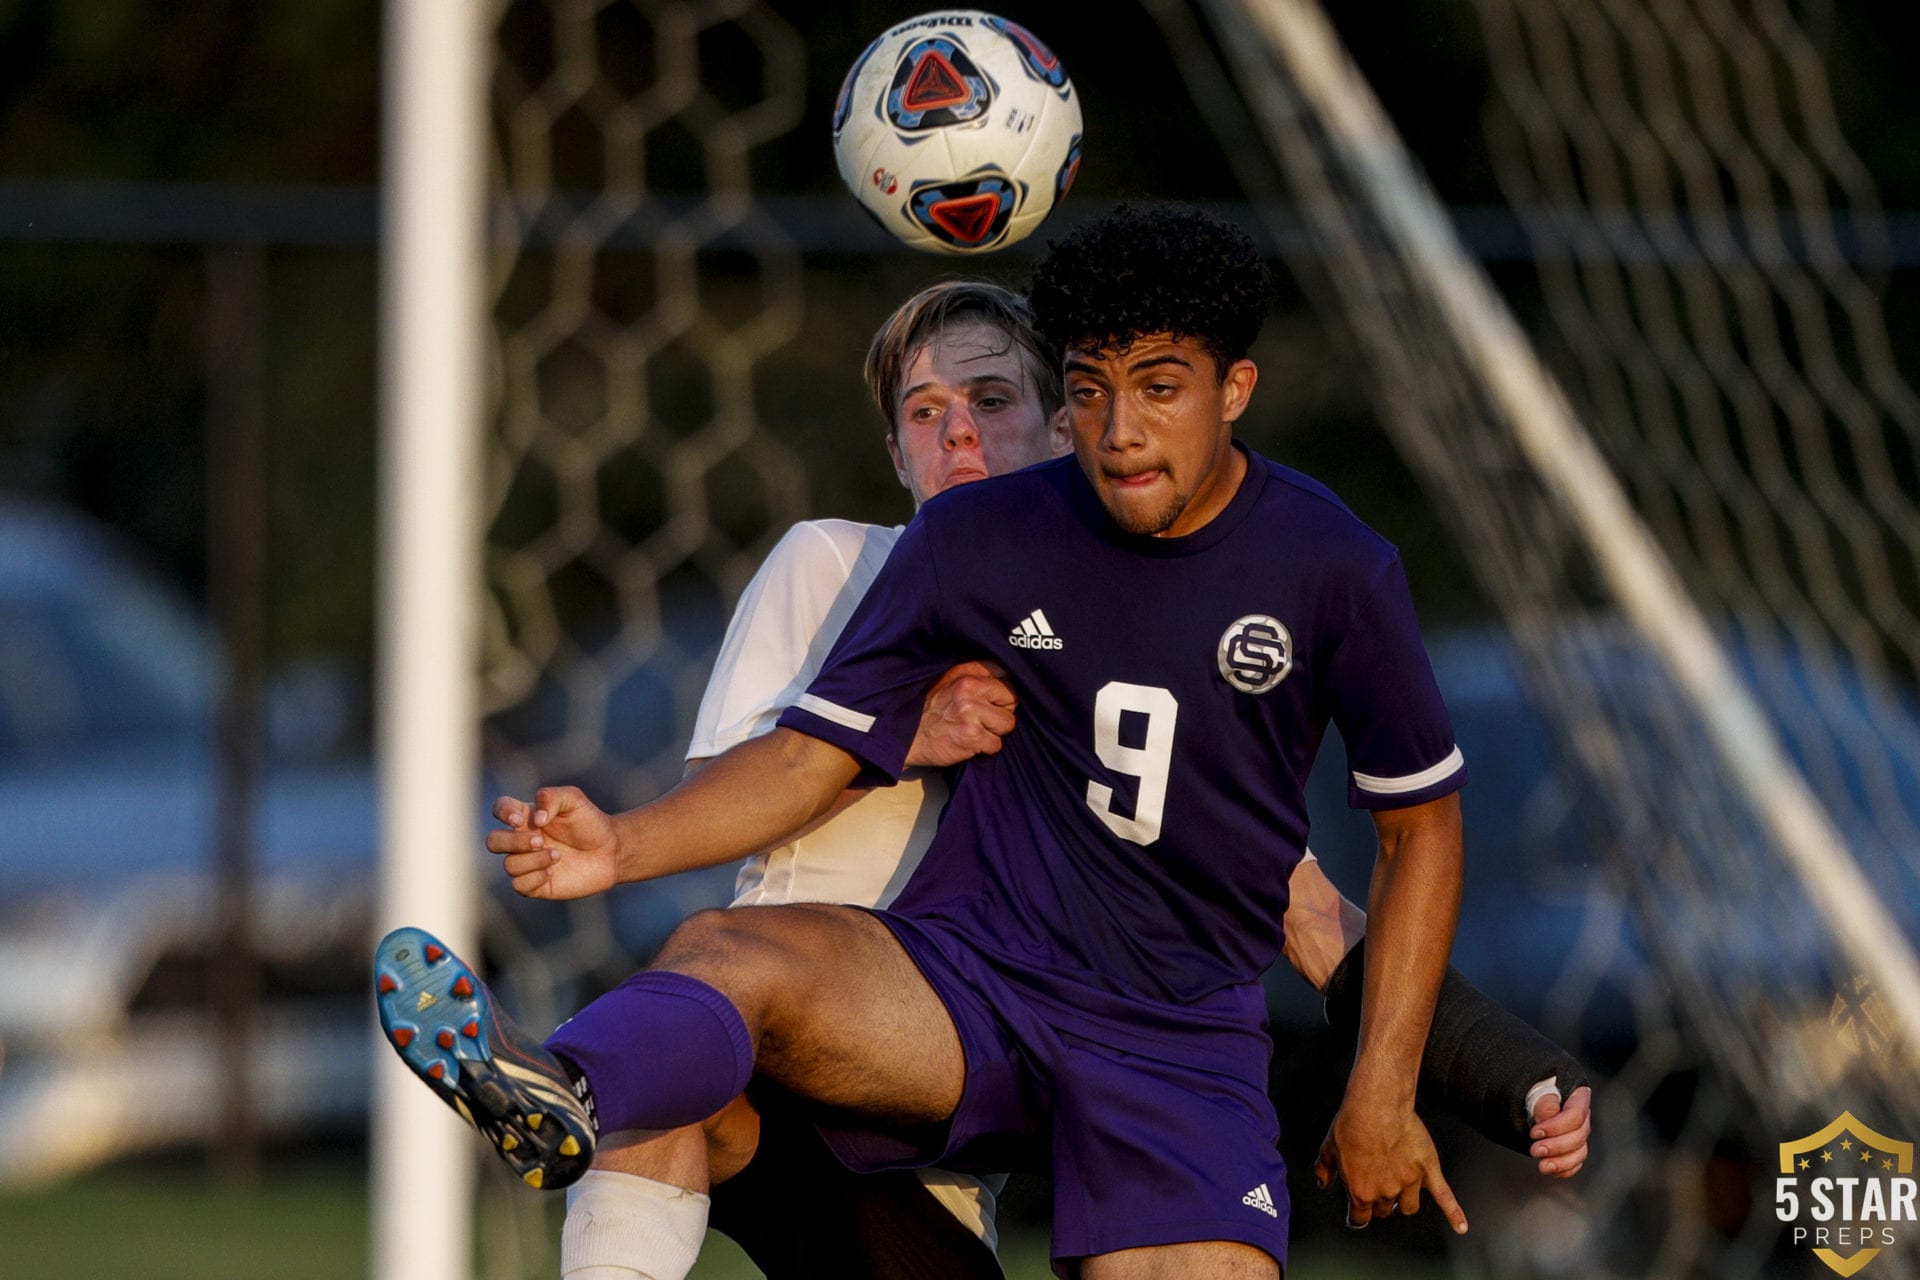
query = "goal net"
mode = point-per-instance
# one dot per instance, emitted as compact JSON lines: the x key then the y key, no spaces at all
{"x":1697,"y":524}
{"x":1698,"y":527}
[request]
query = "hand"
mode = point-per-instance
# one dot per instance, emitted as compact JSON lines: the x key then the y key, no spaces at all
{"x":968,"y":710}
{"x":560,"y":846}
{"x":1560,"y":1131}
{"x":1384,"y":1159}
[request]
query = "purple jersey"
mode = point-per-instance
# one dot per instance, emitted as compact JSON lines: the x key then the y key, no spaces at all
{"x":1138,"y":829}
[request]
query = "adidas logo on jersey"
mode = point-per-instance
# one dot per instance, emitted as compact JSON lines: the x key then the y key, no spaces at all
{"x":1262,"y":1199}
{"x":1034,"y":633}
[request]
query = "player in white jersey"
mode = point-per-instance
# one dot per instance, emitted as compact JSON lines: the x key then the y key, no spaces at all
{"x":966,"y":393}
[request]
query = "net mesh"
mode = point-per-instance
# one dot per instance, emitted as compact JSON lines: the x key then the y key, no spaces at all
{"x":1696,"y":221}
{"x":1699,"y":246}
{"x":638,"y":288}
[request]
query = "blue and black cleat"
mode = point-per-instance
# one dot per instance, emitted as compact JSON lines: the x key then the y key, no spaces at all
{"x":450,"y":1032}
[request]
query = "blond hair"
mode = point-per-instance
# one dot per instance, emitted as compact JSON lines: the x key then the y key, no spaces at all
{"x":927,"y":314}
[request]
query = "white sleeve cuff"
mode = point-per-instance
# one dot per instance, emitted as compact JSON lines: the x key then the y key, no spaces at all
{"x":1413,"y":781}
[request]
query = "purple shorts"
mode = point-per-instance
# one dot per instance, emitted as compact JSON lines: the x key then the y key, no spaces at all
{"x":1153,"y":1121}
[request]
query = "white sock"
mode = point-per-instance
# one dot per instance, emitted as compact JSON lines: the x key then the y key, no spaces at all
{"x":621,"y":1226}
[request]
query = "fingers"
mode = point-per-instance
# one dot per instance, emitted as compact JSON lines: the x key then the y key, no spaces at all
{"x":1562,"y":1133}
{"x":550,"y":802}
{"x":1552,"y":1117}
{"x":520,"y":864}
{"x":996,"y":720}
{"x":533,"y":885}
{"x":515,"y":840}
{"x":1325,"y":1163}
{"x":979,"y":667}
{"x":985,"y":690}
{"x":1408,"y":1203}
{"x":1561,"y":1144}
{"x":1443,"y":1197}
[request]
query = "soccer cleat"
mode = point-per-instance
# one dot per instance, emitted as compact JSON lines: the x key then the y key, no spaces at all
{"x":445,"y":1025}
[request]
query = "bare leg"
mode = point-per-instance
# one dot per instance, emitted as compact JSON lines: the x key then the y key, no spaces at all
{"x":837,"y":1010}
{"x":1215,"y":1259}
{"x":695,"y":1157}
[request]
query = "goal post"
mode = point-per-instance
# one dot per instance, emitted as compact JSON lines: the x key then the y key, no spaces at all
{"x":433,"y":317}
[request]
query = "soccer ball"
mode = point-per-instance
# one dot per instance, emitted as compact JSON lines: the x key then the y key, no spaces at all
{"x":958,"y":131}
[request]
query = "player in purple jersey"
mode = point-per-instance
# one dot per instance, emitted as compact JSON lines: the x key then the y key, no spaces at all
{"x":1079,"y":952}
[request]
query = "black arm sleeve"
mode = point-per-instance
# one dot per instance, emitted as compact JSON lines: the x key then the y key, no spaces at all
{"x":1480,"y":1060}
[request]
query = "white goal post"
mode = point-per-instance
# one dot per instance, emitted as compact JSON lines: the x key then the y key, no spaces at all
{"x":433,"y":319}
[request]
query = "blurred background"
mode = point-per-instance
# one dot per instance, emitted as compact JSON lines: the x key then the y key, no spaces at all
{"x":1705,"y":217}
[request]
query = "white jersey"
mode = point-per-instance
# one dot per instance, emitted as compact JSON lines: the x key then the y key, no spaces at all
{"x":786,"y":621}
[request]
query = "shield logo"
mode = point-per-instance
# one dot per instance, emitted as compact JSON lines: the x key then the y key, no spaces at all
{"x":1856,"y":1175}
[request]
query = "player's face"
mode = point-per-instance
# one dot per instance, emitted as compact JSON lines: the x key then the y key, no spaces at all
{"x":968,"y":410}
{"x":1153,"y":427}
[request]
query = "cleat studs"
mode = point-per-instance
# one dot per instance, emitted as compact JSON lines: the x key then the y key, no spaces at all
{"x":508,"y":1142}
{"x":387,"y":984}
{"x":570,"y":1147}
{"x":463,"y":988}
{"x":445,"y":1038}
{"x":472,"y":1030}
{"x":535,"y":1120}
{"x":402,"y":1036}
{"x":434,"y":954}
{"x":534,"y":1177}
{"x":438,"y":1070}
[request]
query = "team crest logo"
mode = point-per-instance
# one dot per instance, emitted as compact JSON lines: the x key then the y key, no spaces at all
{"x":1845,"y":1190}
{"x":1256,"y":653}
{"x":936,"y":85}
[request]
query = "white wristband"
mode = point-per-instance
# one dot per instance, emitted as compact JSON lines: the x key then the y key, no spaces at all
{"x":1551,"y":1085}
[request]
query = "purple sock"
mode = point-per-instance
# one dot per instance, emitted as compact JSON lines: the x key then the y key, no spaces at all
{"x":659,"y":1051}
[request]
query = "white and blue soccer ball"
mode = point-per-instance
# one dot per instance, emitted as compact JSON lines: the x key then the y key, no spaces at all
{"x":958,"y":131}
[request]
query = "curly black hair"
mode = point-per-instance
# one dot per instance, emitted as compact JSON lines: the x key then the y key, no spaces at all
{"x":1163,"y":269}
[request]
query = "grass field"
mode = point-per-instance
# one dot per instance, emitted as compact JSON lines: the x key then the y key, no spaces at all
{"x":308,"y":1221}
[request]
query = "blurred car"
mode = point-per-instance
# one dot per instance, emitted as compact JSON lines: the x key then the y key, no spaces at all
{"x":108,"y":775}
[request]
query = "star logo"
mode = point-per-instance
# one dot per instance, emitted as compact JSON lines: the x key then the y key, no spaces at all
{"x":1845,"y":1221}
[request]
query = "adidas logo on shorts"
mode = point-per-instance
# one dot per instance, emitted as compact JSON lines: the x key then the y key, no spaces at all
{"x":1261,"y":1199}
{"x":1034,"y":633}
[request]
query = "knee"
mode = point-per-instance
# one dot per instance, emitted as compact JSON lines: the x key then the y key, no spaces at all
{"x":704,"y":933}
{"x":735,"y":950}
{"x":733,"y":1136}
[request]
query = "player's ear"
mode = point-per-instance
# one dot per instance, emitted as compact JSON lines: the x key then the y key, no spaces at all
{"x":899,"y":460}
{"x":1059,"y":434}
{"x":1236,"y":389}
